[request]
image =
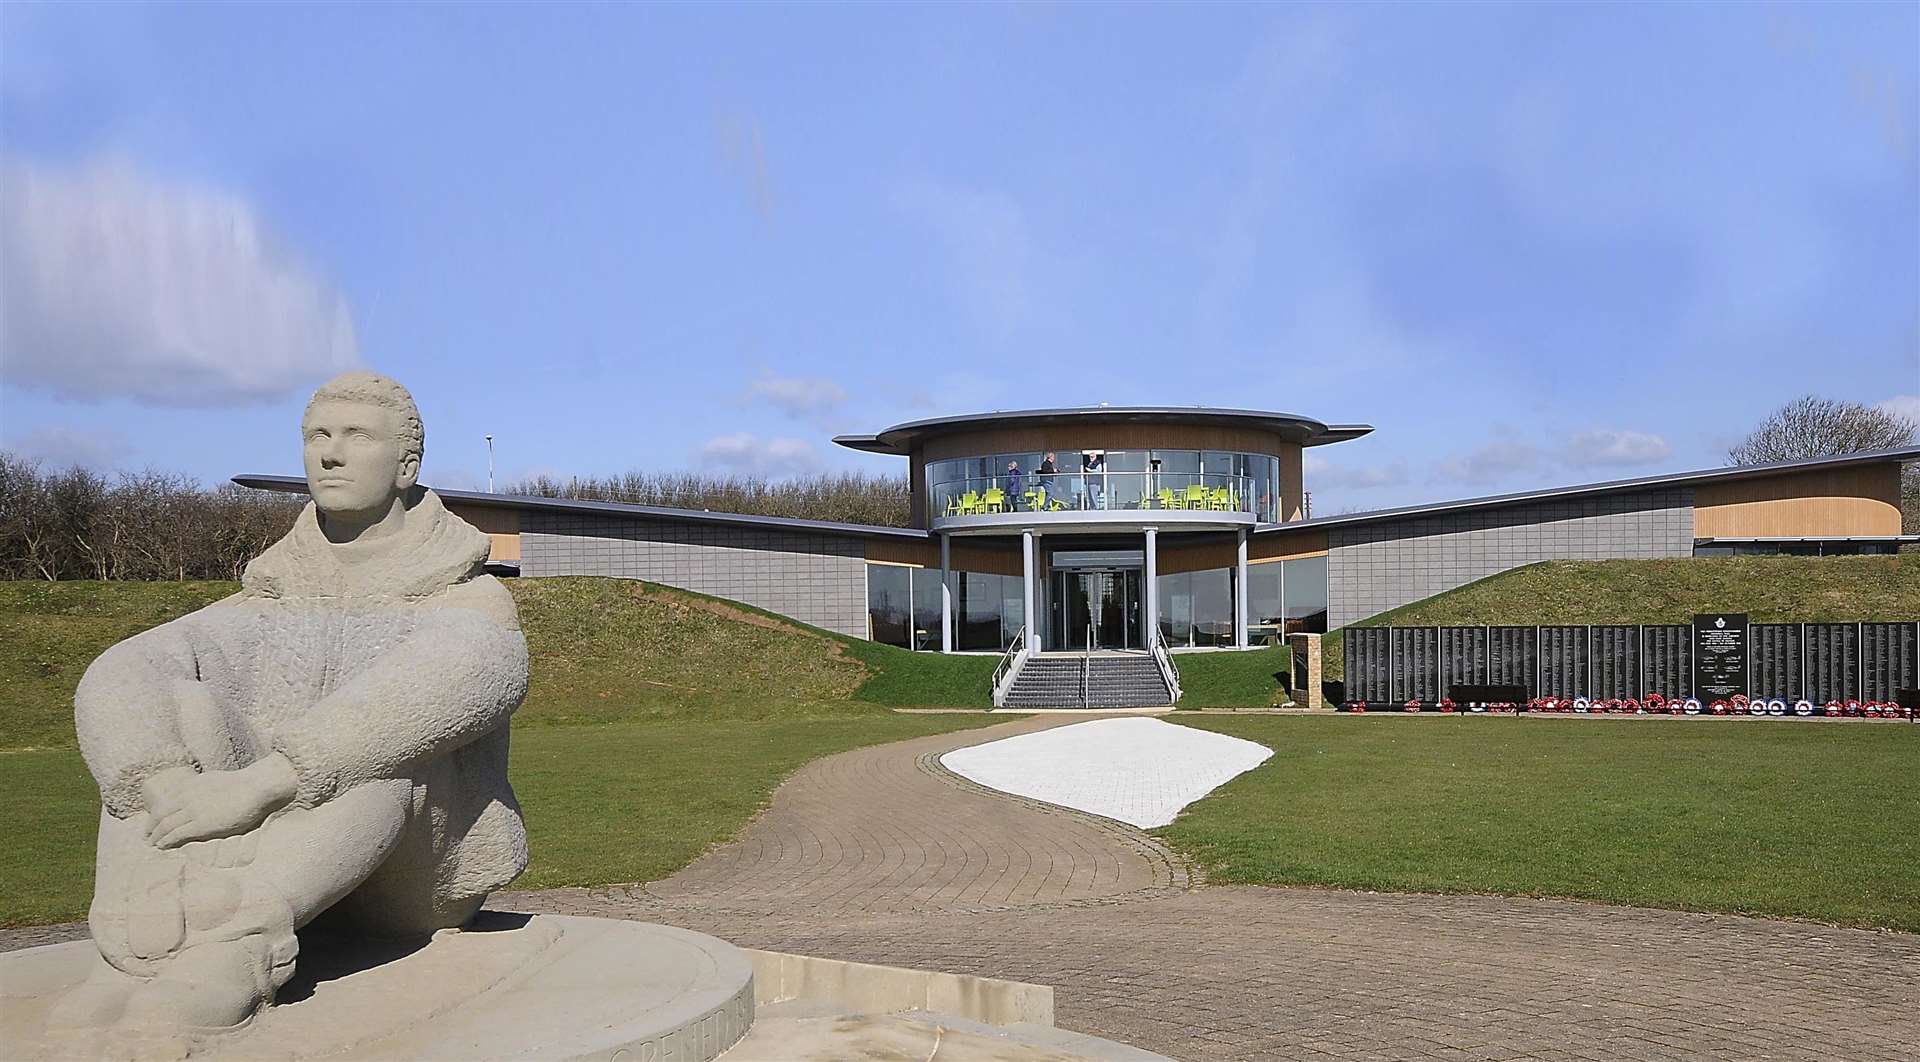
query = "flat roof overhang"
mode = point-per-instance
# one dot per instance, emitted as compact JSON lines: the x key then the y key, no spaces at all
{"x":1899,"y":454}
{"x":1092,"y":522}
{"x":901,"y":439}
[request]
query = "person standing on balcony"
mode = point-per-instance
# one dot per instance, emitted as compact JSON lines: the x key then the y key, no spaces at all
{"x":1093,"y":469}
{"x":1046,"y":474}
{"x":1016,"y":484}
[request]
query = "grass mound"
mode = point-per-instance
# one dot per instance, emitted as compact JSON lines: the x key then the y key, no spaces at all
{"x":1769,"y":589}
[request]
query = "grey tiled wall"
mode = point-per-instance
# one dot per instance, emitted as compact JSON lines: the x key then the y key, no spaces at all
{"x":1374,"y":567}
{"x":814,"y":578}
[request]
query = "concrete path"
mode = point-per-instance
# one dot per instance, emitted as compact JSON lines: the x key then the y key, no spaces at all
{"x":880,"y":855}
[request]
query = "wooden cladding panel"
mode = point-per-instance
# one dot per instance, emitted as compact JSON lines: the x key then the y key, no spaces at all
{"x":1862,"y":500}
{"x":505,"y":547}
{"x":492,"y":519}
{"x":502,"y":526}
{"x":1065,"y":439}
{"x":983,"y":556}
{"x":1278,"y":545}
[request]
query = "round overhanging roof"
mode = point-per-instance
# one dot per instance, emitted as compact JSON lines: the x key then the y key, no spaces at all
{"x":901,"y":439}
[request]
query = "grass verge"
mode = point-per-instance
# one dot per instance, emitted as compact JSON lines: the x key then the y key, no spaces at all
{"x":1232,"y":679}
{"x":1798,"y":820}
{"x":604,"y":804}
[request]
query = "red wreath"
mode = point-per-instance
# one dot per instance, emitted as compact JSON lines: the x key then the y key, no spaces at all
{"x":1719,"y":707}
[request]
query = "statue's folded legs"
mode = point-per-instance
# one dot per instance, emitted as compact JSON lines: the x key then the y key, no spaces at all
{"x":202,"y":935}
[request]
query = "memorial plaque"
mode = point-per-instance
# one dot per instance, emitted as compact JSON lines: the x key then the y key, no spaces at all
{"x":1719,"y":656}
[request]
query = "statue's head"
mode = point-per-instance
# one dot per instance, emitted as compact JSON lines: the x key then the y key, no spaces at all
{"x":363,"y":442}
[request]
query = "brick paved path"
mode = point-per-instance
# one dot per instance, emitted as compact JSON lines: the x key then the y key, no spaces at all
{"x":880,"y":855}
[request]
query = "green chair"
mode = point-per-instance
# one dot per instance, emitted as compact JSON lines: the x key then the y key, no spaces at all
{"x":969,"y":504}
{"x":1164,"y":499}
{"x":1196,"y":497}
{"x":953,"y":505}
{"x":1218,"y":502}
{"x":995,"y":502}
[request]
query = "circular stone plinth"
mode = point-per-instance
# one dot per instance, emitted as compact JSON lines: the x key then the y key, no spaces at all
{"x":511,"y":986}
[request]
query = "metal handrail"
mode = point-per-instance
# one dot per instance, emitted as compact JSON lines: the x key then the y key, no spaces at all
{"x":1074,"y":491}
{"x":1165,"y":662}
{"x":1009,"y":667}
{"x":1086,"y":664}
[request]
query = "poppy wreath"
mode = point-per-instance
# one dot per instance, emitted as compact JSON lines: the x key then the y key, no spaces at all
{"x":1413,"y":706}
{"x":1738,"y":702}
{"x":1657,"y":703}
{"x":1719,"y":708}
{"x":1632,"y":706}
{"x":1692,"y":706}
{"x":1776,"y":706}
{"x":1582,"y":705}
{"x":1852,"y":708}
{"x":1447,"y":706}
{"x":1870,"y":709}
{"x":1833,"y":709}
{"x":1356,"y":706}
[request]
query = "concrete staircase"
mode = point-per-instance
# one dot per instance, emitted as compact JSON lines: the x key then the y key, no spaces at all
{"x":1108,"y":680}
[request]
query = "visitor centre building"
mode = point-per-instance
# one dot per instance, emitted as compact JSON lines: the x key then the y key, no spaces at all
{"x":1106,"y":527}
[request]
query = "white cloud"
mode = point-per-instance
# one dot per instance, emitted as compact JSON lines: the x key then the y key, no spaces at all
{"x":118,"y":285}
{"x":1603,"y":447}
{"x":1489,"y":463}
{"x":62,"y":447}
{"x":747,"y":453}
{"x":1319,"y":474}
{"x":1907,"y":406}
{"x":797,"y":396}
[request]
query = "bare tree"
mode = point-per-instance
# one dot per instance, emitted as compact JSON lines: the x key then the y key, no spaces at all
{"x":850,"y":497}
{"x":77,"y":524}
{"x":1811,"y":426}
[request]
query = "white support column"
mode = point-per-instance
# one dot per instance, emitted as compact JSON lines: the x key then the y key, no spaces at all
{"x":946,"y":593}
{"x":1152,"y":590}
{"x":1027,"y":558}
{"x":1240,"y":592}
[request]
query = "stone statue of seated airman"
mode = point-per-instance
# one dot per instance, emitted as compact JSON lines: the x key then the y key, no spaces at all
{"x":330,"y":743}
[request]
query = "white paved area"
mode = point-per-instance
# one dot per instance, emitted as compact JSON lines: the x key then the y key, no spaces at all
{"x":1139,"y":771}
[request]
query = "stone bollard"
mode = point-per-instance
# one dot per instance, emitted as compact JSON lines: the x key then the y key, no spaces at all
{"x":1306,"y":671}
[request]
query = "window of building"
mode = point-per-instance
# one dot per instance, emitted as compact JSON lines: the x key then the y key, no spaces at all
{"x":890,"y":604}
{"x":1305,"y":589}
{"x":1266,"y":617}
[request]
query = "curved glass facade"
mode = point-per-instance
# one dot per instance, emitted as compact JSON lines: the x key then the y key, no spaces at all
{"x":1218,"y":480}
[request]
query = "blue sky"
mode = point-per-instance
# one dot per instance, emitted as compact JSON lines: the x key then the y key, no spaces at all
{"x":1533,"y":245}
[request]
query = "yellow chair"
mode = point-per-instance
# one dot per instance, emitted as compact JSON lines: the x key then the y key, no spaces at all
{"x":953,"y":505}
{"x":969,"y":504}
{"x":1196,"y":497}
{"x":1042,"y":503}
{"x":996,"y":501}
{"x":1164,"y":499}
{"x":1218,"y":502}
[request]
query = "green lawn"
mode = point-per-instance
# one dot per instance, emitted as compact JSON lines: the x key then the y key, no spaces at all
{"x":1769,"y":589}
{"x":608,"y":804}
{"x":1232,"y":679}
{"x":1801,"y":820}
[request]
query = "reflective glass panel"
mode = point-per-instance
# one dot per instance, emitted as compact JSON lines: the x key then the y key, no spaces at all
{"x":1176,"y":609}
{"x":1306,"y":595}
{"x":889,"y":604}
{"x":1213,"y":607}
{"x":1266,"y":622}
{"x":926,"y":608}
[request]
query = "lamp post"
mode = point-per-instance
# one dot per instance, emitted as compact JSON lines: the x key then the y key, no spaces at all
{"x":489,"y":464}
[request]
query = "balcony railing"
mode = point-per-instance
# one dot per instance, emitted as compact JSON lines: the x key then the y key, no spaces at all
{"x":1096,"y":491}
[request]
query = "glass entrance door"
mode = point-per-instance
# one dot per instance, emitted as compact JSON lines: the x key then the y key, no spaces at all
{"x":1097,"y":607}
